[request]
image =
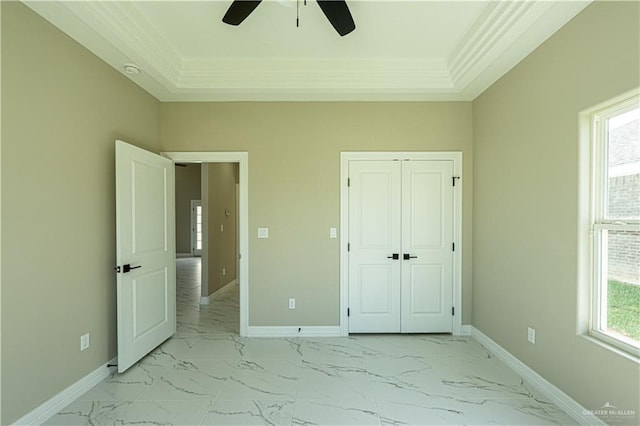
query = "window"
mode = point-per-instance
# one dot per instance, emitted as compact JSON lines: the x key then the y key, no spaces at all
{"x":615,"y":224}
{"x":196,"y":227}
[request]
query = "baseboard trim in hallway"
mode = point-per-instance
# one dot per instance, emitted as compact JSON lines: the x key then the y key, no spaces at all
{"x":51,"y":407}
{"x":205,"y":300}
{"x":555,"y":395}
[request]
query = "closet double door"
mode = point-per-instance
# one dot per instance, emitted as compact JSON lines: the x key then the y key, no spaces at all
{"x":401,"y":246}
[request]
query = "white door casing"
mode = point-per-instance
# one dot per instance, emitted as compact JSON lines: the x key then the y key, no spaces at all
{"x":145,"y":242}
{"x":242,"y":158}
{"x":428,"y":176}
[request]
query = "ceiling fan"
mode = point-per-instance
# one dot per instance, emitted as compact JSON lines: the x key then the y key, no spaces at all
{"x":336,"y":11}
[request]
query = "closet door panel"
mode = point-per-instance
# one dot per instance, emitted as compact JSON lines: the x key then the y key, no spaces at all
{"x":427,"y":239}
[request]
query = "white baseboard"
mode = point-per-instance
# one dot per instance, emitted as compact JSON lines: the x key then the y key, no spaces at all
{"x":179,"y":255}
{"x":204,"y":300}
{"x":555,"y":395}
{"x":465,"y":330}
{"x":288,"y":331}
{"x":54,"y":405}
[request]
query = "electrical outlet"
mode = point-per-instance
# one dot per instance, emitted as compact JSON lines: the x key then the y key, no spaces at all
{"x":84,"y":342}
{"x":224,"y":271}
{"x":292,"y":303}
{"x":531,"y":335}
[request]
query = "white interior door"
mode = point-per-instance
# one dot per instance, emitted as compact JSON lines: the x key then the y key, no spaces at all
{"x":145,"y":252}
{"x":374,"y":206}
{"x":427,"y":238}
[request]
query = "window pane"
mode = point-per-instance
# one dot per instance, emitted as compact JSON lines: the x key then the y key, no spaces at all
{"x":623,"y":169}
{"x":623,"y":285}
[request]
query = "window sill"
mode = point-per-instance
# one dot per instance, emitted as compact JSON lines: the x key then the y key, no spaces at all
{"x":631,"y":357}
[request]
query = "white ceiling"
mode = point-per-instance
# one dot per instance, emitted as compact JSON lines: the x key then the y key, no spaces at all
{"x":400,"y":50}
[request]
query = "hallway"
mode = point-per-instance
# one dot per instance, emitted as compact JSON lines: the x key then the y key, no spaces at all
{"x":220,"y":316}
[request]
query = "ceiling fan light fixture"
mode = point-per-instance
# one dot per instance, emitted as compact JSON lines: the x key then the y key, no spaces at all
{"x":336,"y":11}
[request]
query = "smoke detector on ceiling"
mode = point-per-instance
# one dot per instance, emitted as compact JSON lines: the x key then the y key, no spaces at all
{"x":131,"y":69}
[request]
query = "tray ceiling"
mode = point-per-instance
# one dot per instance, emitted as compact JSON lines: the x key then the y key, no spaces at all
{"x":400,"y":50}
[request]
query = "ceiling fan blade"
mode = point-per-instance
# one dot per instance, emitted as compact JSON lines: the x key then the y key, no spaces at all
{"x":337,"y":12}
{"x":239,"y":10}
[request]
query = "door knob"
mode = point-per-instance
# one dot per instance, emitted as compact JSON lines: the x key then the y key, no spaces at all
{"x":126,"y":268}
{"x":394,"y":256}
{"x":407,"y":256}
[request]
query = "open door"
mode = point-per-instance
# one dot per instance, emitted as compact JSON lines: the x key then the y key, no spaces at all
{"x":145,"y":252}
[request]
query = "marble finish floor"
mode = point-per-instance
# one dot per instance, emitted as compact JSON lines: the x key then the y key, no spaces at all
{"x":208,"y":375}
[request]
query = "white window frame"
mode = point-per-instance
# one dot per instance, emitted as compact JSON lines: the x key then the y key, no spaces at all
{"x":600,"y":224}
{"x":194,"y":231}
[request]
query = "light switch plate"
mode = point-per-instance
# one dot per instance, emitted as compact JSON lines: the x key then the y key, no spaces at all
{"x":84,"y":342}
{"x":333,"y":233}
{"x":263,"y":232}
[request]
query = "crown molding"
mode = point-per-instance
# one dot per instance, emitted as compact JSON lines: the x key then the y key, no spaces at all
{"x":502,"y":35}
{"x":338,"y":74}
{"x":480,"y":44}
{"x":124,"y":26}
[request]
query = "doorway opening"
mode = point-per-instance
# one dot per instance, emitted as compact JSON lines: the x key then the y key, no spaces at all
{"x":239,"y":237}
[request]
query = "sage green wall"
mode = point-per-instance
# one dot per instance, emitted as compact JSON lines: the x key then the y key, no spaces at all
{"x":62,"y":109}
{"x":222,"y":244}
{"x":525,"y":223}
{"x":187,"y":189}
{"x":294,"y":169}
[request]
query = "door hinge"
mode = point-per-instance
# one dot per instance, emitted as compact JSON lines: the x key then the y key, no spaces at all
{"x":348,"y":182}
{"x":348,"y":246}
{"x":453,"y":246}
{"x":453,"y":311}
{"x":453,"y":180}
{"x":348,"y":312}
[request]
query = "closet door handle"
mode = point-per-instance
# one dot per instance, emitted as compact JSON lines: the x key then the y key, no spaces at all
{"x":407,"y":256}
{"x":394,"y":256}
